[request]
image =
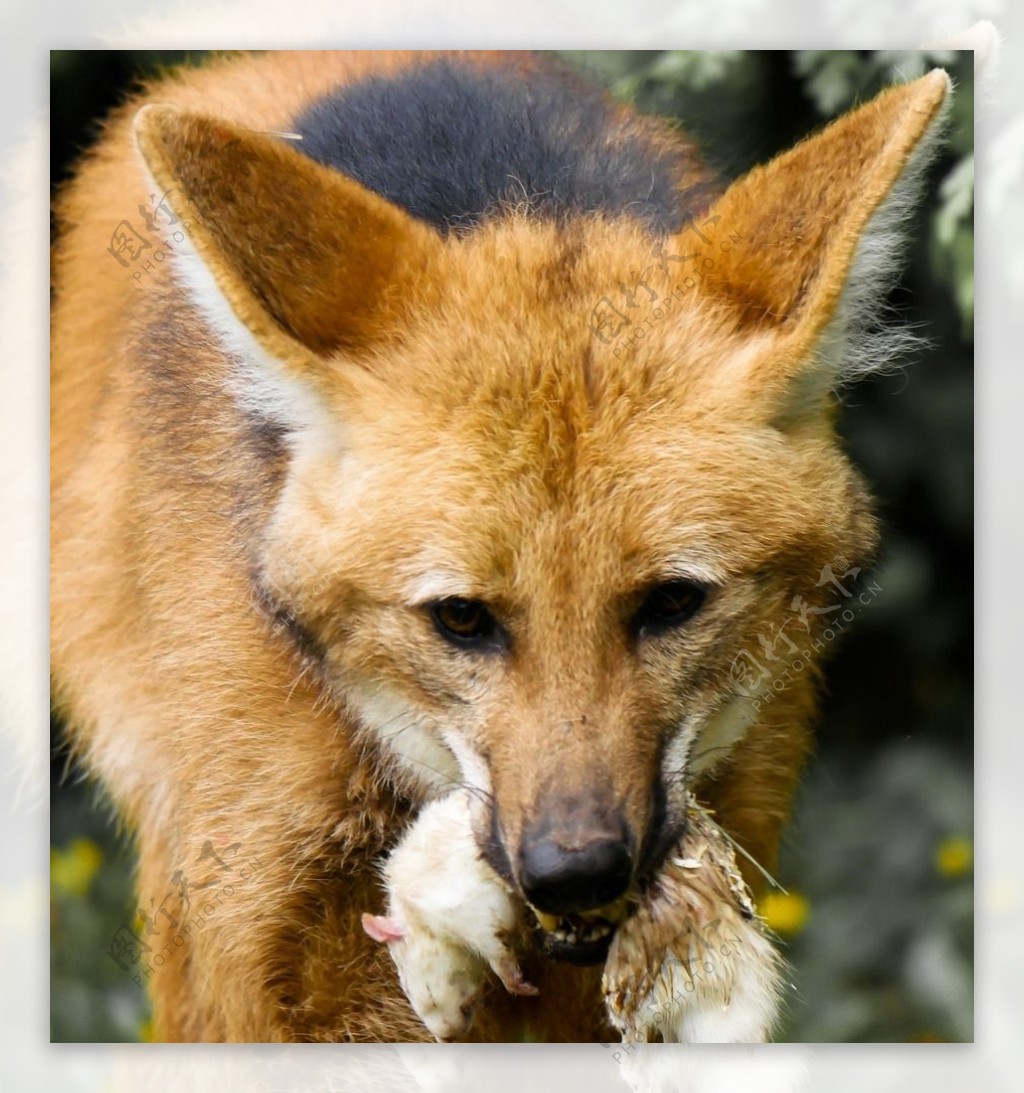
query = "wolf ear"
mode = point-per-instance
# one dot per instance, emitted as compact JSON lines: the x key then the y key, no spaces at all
{"x":821,"y":237}
{"x":291,"y":262}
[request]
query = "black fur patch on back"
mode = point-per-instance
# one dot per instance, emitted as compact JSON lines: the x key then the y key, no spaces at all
{"x":455,"y":142}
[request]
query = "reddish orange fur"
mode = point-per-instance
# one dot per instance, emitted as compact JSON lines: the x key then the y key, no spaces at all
{"x":480,"y":426}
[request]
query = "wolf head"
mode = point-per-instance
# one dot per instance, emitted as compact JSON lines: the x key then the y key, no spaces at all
{"x":551,"y":487}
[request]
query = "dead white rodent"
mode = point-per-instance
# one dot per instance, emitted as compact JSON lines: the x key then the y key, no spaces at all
{"x":692,"y":963}
{"x":450,"y":917}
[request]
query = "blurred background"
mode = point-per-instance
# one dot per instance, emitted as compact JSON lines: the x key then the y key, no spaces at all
{"x":877,"y":913}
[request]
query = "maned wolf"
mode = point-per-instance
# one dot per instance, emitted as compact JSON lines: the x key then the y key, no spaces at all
{"x":434,"y":445}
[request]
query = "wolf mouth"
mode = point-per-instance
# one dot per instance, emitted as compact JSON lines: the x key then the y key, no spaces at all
{"x":584,"y":937}
{"x":580,"y":938}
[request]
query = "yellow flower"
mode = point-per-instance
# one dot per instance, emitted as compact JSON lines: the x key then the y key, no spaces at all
{"x":954,"y":856}
{"x":72,"y":870}
{"x":784,"y":912}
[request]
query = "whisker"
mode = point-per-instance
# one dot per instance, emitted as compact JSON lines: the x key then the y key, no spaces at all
{"x":413,"y":720}
{"x":708,"y":751}
{"x":736,"y":846}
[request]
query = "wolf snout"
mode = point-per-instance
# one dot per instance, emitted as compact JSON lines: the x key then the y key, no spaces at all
{"x":561,"y":880}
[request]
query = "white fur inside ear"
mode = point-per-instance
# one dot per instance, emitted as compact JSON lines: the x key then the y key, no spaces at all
{"x":261,"y":384}
{"x":861,"y":339}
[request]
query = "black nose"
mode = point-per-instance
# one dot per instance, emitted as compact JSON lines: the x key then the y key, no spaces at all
{"x":560,"y":881}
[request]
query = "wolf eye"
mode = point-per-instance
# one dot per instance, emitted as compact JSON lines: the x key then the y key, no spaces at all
{"x":465,"y":622}
{"x":667,"y":605}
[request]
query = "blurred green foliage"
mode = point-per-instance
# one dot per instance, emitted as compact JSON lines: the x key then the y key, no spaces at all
{"x":881,"y":851}
{"x":878,"y":920}
{"x":91,"y":873}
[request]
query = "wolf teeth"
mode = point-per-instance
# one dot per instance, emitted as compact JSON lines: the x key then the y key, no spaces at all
{"x":577,"y":929}
{"x":594,"y":931}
